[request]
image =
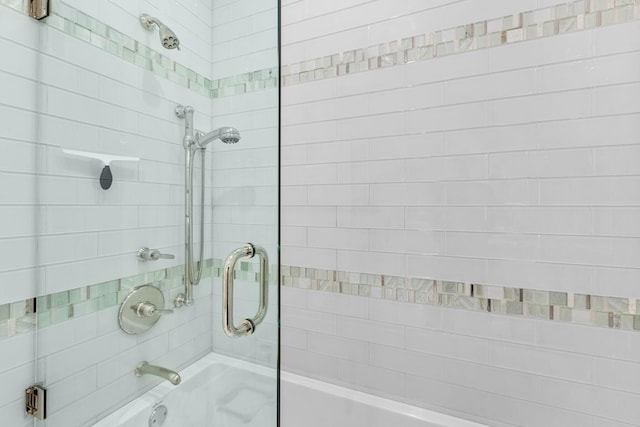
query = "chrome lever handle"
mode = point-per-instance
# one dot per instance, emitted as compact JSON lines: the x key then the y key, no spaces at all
{"x":145,"y":254}
{"x":147,"y":309}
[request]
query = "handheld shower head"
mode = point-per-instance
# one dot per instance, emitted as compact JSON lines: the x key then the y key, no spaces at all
{"x":168,"y":38}
{"x":228,"y":135}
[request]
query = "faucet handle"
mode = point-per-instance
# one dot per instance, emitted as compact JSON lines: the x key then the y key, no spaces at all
{"x":146,"y":254}
{"x":147,"y":309}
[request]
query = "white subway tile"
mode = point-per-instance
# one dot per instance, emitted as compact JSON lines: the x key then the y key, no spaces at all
{"x":293,"y":337}
{"x":318,"y":216}
{"x":492,"y":86}
{"x":447,"y":118}
{"x":491,"y":139}
{"x":556,"y":106}
{"x":496,"y":327}
{"x":15,"y":380}
{"x":370,"y":126}
{"x":415,"y":315}
{"x":309,"y":364}
{"x":410,"y":194}
{"x":371,"y":262}
{"x":492,"y":245}
{"x":447,"y":168}
{"x":616,"y":39}
{"x":356,"y":150}
{"x":540,"y":220}
{"x":371,"y":217}
{"x":337,"y":347}
{"x":447,"y":268}
{"x":556,"y":364}
{"x":447,"y":68}
{"x":494,"y":380}
{"x":592,"y":400}
{"x":371,"y":331}
{"x":415,"y":97}
{"x":371,"y":172}
{"x":339,"y":238}
{"x":611,"y":251}
{"x":427,"y":392}
{"x":531,"y":414}
{"x":542,"y":275}
{"x":293,"y":236}
{"x":616,"y":160}
{"x":372,"y":379}
{"x":339,"y":195}
{"x":447,"y":345}
{"x":309,"y":257}
{"x":347,"y":305}
{"x":512,"y":192}
{"x":407,"y":146}
{"x":309,"y":319}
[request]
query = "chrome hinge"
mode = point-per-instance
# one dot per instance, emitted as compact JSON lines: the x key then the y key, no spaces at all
{"x":38,"y":9}
{"x":35,"y":400}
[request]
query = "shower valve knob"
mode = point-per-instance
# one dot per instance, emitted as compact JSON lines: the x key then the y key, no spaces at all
{"x":147,"y":309}
{"x":145,"y":254}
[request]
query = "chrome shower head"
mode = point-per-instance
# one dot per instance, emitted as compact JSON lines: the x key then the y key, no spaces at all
{"x":168,"y":38}
{"x":228,"y":135}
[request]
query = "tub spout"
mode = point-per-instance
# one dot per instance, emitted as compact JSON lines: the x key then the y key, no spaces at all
{"x":144,"y":368}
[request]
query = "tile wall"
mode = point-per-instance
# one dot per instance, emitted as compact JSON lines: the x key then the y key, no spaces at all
{"x":90,"y":78}
{"x":476,"y":143}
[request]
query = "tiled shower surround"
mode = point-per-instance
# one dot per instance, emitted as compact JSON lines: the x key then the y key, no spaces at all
{"x":459,"y":205}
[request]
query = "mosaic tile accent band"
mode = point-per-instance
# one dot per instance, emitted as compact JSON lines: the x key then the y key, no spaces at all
{"x":593,"y":310}
{"x":90,"y":30}
{"x":27,"y":315}
{"x":547,"y":22}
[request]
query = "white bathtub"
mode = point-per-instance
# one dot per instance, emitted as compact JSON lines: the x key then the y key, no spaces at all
{"x":216,"y":391}
{"x":219,"y":391}
{"x":310,"y":403}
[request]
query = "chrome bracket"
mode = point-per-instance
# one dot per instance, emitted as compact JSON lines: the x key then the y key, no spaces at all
{"x":38,"y":9}
{"x":35,"y":400}
{"x":247,"y":326}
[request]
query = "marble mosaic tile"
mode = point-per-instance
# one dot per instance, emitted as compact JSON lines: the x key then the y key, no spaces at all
{"x":594,"y":310}
{"x":434,"y":43}
{"x":26,"y":315}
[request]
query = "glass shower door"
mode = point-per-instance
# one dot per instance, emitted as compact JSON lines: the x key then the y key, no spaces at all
{"x":19,"y":274}
{"x":111,"y":211}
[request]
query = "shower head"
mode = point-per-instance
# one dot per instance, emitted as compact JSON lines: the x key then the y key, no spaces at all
{"x":168,"y":38}
{"x":228,"y":135}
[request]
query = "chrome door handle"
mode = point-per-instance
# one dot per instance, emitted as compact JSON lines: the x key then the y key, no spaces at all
{"x":247,"y":326}
{"x":145,"y":254}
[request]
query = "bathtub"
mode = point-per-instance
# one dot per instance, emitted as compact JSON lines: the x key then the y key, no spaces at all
{"x":218,"y":391}
{"x":311,"y":403}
